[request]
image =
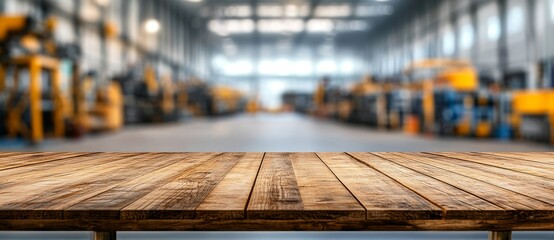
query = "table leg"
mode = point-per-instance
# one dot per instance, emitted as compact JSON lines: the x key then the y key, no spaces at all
{"x":500,"y":235}
{"x":103,"y":236}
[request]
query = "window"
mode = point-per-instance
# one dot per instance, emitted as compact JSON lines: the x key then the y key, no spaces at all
{"x":515,"y":20}
{"x":493,"y":28}
{"x":552,"y":10}
{"x":466,"y":36}
{"x":448,"y":43}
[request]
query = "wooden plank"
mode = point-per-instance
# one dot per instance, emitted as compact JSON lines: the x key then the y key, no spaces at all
{"x":529,"y":156}
{"x":229,"y":198}
{"x":529,"y":167}
{"x":108,"y":203}
{"x":7,"y":154}
{"x":58,"y":169}
{"x":300,"y":186}
{"x":179,"y":198}
{"x":51,"y":194}
{"x":383,"y":197}
{"x":20,"y":160}
{"x":273,"y":225}
{"x":504,"y":198}
{"x":528,"y":185}
{"x":456,"y":203}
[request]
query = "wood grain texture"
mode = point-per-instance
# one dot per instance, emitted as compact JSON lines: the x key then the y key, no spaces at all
{"x":229,"y":198}
{"x":276,"y":191}
{"x":300,"y":186}
{"x":383,"y":197}
{"x":179,"y":198}
{"x":108,"y":204}
{"x":483,"y":189}
{"x":455,"y":203}
{"x":25,"y":159}
{"x":529,"y":167}
{"x":535,"y":187}
{"x":538,"y":157}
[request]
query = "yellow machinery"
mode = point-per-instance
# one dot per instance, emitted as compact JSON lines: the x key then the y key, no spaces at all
{"x":253,"y":106}
{"x":396,"y":104}
{"x":35,"y":106}
{"x":148,"y":99}
{"x":533,"y":114}
{"x":108,"y":108}
{"x":35,"y":103}
{"x":321,"y":98}
{"x":168,"y":97}
{"x":97,"y":108}
{"x":368,"y":103}
{"x":226,"y":100}
{"x":326,"y":99}
{"x":441,"y":85}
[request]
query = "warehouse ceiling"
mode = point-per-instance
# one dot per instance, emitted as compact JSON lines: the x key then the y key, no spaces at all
{"x":263,"y":34}
{"x":304,"y":18}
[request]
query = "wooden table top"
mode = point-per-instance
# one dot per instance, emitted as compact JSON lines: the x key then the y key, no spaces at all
{"x":276,"y":191}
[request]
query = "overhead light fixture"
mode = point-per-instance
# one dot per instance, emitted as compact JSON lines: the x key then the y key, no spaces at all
{"x":336,"y":10}
{"x":225,"y":27}
{"x":237,"y":11}
{"x":103,"y":3}
{"x":194,"y":1}
{"x":320,"y":25}
{"x":152,"y":26}
{"x":280,"y":26}
{"x":270,"y":11}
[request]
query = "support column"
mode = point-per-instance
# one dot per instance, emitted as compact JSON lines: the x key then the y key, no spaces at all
{"x":103,"y":236}
{"x":500,"y":235}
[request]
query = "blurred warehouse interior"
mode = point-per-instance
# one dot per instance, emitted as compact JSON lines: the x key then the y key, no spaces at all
{"x":473,"y":68}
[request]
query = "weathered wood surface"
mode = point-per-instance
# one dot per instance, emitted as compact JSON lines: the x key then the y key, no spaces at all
{"x":276,"y":191}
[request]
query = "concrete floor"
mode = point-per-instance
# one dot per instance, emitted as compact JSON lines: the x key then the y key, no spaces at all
{"x":279,"y":132}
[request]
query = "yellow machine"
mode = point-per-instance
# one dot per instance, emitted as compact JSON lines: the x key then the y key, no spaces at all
{"x":253,"y":106}
{"x":226,"y":100}
{"x":35,"y":106}
{"x":97,"y":108}
{"x":533,"y":115}
{"x":368,"y":104}
{"x":108,"y":108}
{"x":147,"y":98}
{"x":168,"y":104}
{"x":441,"y":85}
{"x":321,"y":98}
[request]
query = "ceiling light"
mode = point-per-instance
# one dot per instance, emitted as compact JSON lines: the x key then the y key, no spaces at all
{"x":152,"y":26}
{"x":270,"y":11}
{"x":103,"y":3}
{"x":280,"y":26}
{"x":238,"y":11}
{"x":333,"y":11}
{"x":320,"y":25}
